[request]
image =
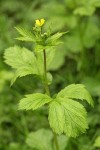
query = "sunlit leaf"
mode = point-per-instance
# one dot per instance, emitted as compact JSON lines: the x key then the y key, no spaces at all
{"x":68,"y":116}
{"x":76,"y":91}
{"x":33,"y":101}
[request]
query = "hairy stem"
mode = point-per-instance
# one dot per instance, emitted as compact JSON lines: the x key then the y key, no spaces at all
{"x":48,"y":93}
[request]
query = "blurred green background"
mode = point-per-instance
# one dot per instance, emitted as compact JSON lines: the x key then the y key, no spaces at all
{"x":77,"y":61}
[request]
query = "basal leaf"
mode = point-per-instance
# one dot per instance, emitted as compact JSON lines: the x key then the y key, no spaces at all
{"x":68,"y":116}
{"x":34,"y":101}
{"x":77,"y":91}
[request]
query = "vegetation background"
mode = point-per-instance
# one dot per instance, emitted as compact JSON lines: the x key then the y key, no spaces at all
{"x":77,"y":61}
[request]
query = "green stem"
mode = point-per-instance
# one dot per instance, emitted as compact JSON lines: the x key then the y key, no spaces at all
{"x":48,"y":93}
{"x":45,"y":74}
{"x":56,"y":141}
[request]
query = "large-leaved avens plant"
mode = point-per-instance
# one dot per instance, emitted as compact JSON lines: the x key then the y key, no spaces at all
{"x":66,"y":114}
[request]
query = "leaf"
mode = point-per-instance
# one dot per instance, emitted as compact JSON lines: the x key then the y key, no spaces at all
{"x":34,"y":101}
{"x":4,"y":76}
{"x":77,"y":91}
{"x":41,"y":139}
{"x":62,"y":142}
{"x":68,"y":116}
{"x":89,"y":40}
{"x":56,"y":117}
{"x":53,"y":40}
{"x":97,"y":142}
{"x":49,"y":78}
{"x":84,"y":10}
{"x":95,"y":3}
{"x":55,"y":36}
{"x":25,"y":35}
{"x":93,"y":85}
{"x":22,"y":60}
{"x":74,"y":38}
{"x":57,"y":60}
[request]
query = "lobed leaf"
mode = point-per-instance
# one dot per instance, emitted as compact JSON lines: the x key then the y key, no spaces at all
{"x":22,"y":60}
{"x":68,"y":116}
{"x":56,"y":36}
{"x":56,"y":117}
{"x":53,"y":40}
{"x":25,"y":35}
{"x":34,"y":101}
{"x":77,"y":91}
{"x":25,"y":62}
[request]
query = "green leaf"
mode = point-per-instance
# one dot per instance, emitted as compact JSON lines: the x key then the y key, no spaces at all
{"x":62,"y":142}
{"x":95,"y":3}
{"x":76,"y":91}
{"x":68,"y":116}
{"x":56,"y":36}
{"x":25,"y":35}
{"x":74,"y":38}
{"x":93,"y":85}
{"x":49,"y":78}
{"x":34,"y":101}
{"x":97,"y":142}
{"x":53,"y":40}
{"x":89,"y":40}
{"x":25,"y":62}
{"x":85,"y":10}
{"x":4,"y":76}
{"x":56,"y":117}
{"x":50,"y":43}
{"x":41,"y":139}
{"x":22,"y":60}
{"x":57,"y":60}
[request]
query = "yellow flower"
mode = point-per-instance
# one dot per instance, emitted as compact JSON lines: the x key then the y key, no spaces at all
{"x":40,"y":22}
